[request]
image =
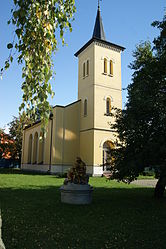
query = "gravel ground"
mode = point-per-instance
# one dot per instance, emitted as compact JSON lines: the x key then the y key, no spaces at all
{"x":146,"y":183}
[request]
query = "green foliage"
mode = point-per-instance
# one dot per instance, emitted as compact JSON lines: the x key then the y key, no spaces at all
{"x":16,"y":127}
{"x":36,"y":24}
{"x":1,"y":144}
{"x":7,"y":146}
{"x":160,"y":41}
{"x":142,"y":55}
{"x":141,"y":126}
{"x":9,"y":46}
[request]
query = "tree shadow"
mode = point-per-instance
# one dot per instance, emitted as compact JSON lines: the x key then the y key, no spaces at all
{"x":35,"y":218}
{"x":19,"y":171}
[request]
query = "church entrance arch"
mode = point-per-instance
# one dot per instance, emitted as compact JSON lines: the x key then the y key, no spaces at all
{"x":107,"y":155}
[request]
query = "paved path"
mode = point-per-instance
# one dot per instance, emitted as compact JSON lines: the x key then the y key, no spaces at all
{"x":146,"y":183}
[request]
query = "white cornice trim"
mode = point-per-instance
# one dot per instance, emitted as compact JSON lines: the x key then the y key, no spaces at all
{"x":107,"y":46}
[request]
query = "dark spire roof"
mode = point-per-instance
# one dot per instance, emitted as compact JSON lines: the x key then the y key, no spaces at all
{"x":98,"y":29}
{"x":98,"y":35}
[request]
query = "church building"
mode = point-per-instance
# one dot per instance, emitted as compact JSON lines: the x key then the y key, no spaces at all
{"x":81,"y":128}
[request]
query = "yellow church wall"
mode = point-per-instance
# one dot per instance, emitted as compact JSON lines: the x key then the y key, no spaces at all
{"x":47,"y":144}
{"x":101,"y":120}
{"x":24,"y":157}
{"x":65,"y":134}
{"x":87,"y":121}
{"x":85,"y":87}
{"x":86,"y":148}
{"x":101,"y":52}
{"x":36,"y":129}
{"x":96,"y":90}
{"x":99,"y":138}
{"x":64,"y":129}
{"x":57,"y":135}
{"x":106,"y":86}
{"x":91,"y":149}
{"x":85,"y":82}
{"x":27,"y":134}
{"x":71,"y":133}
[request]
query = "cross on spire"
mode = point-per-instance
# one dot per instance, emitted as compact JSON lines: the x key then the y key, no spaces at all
{"x":99,"y":4}
{"x":98,"y":31}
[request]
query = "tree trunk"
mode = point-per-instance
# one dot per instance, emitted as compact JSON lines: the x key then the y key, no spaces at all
{"x":160,"y":187}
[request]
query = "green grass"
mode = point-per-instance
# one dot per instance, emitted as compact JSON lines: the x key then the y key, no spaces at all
{"x":146,"y":177}
{"x":121,"y":216}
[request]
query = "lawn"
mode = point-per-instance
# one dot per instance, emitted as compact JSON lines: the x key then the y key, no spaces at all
{"x":146,"y":177}
{"x":121,"y":216}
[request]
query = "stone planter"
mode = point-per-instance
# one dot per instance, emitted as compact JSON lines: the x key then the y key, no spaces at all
{"x":76,"y":193}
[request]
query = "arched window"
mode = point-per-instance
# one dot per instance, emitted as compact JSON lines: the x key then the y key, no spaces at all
{"x":87,"y":67}
{"x":107,"y":155}
{"x":35,"y":148}
{"x":85,"y":107}
{"x":108,"y":106}
{"x":105,"y":65}
{"x":84,"y":69}
{"x":111,"y":67}
{"x":30,"y":149}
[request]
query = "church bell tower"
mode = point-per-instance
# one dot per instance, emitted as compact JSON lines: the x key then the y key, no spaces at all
{"x":99,"y":89}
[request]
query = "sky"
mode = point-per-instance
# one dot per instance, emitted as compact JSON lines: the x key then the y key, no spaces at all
{"x":126,"y":23}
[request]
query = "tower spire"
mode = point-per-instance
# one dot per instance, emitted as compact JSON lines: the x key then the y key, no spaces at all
{"x":98,"y":4}
{"x":98,"y":31}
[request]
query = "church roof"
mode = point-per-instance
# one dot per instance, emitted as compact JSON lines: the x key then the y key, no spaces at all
{"x":98,"y":31}
{"x":98,"y":35}
{"x":100,"y":41}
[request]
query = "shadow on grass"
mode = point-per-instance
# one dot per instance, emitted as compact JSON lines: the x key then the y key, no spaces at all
{"x":19,"y":171}
{"x":117,"y":218}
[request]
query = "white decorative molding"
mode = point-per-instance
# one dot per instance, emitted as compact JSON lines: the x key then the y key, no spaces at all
{"x":108,"y":58}
{"x":108,"y":96}
{"x":108,"y":87}
{"x":104,"y":140}
{"x":107,"y":46}
{"x":105,"y":57}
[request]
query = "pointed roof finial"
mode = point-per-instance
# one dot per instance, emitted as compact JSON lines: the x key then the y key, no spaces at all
{"x":98,"y":4}
{"x":98,"y":35}
{"x":98,"y":31}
